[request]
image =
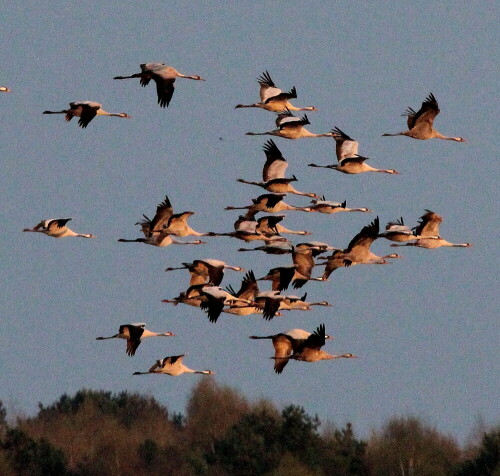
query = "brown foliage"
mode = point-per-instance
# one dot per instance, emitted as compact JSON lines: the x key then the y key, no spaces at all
{"x":406,"y":446}
{"x":211,"y":410}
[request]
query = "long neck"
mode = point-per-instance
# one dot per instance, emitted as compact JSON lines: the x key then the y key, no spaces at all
{"x":286,"y":206}
{"x":438,"y":135}
{"x":258,"y":104}
{"x":306,"y":133}
{"x":80,"y":235}
{"x":137,"y":240}
{"x":55,"y":112}
{"x":458,"y":245}
{"x":270,"y":133}
{"x":291,"y":107}
{"x":259,"y":184}
{"x":236,"y":208}
{"x":137,"y":75}
{"x":101,"y":112}
{"x":363,"y":209}
{"x":386,"y":171}
{"x":185,"y":76}
{"x":334,"y":166}
{"x":196,"y":242}
{"x":404,"y":133}
{"x":303,"y":194}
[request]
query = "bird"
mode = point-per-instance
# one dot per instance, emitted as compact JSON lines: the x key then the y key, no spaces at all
{"x":270,"y":203}
{"x":286,"y":343}
{"x":355,"y":165}
{"x":290,"y":127}
{"x":215,"y":300}
{"x":134,"y":333}
{"x":304,"y":263}
{"x":191,"y":297}
{"x":420,"y":123}
{"x":273,"y":173}
{"x":317,"y":247}
{"x":86,"y":111}
{"x":358,"y":251}
{"x":56,"y":227}
{"x":280,"y":277}
{"x":349,"y":162}
{"x":274,"y":222}
{"x":427,"y":233}
{"x":324,"y":206}
{"x":161,"y":239}
{"x":274,"y":99}
{"x":282,"y":248}
{"x":292,"y":303}
{"x":398,"y":231}
{"x":273,"y":248}
{"x":156,"y":230}
{"x":168,"y":221}
{"x":172,"y":365}
{"x":280,"y":185}
{"x":310,"y":350}
{"x":205,"y":271}
{"x":248,"y":290}
{"x":248,"y":229}
{"x":5,"y":89}
{"x":269,"y":302}
{"x":164,"y":76}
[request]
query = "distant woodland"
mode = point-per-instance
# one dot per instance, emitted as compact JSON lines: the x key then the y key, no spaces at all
{"x":223,"y":434}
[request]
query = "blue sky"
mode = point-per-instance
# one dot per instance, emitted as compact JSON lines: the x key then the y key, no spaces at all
{"x":425,"y":328}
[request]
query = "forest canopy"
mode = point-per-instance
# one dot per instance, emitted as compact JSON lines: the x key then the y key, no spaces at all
{"x":222,"y":433}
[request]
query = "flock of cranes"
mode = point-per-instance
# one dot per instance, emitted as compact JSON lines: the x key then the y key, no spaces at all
{"x":204,"y":289}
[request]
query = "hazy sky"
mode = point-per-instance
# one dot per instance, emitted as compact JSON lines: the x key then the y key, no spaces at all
{"x":425,"y":327}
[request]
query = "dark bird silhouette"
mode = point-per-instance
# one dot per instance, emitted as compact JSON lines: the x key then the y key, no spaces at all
{"x":421,"y":123}
{"x":164,"y":76}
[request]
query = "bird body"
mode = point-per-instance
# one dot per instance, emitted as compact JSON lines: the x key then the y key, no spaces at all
{"x":399,"y":232}
{"x":279,"y":185}
{"x":164,"y":76}
{"x":296,"y":303}
{"x":274,"y":99}
{"x":278,"y":248}
{"x":215,"y":300}
{"x":5,"y":89}
{"x":157,"y":232}
{"x":427,"y":233}
{"x":270,"y":203}
{"x":86,"y":111}
{"x":421,"y":123}
{"x":290,"y":127}
{"x":205,"y":271}
{"x":247,"y":292}
{"x":172,"y":365}
{"x":310,"y":350}
{"x":134,"y":333}
{"x":358,"y":251}
{"x":355,"y":165}
{"x":324,"y":206}
{"x":284,"y":344}
{"x":248,"y":229}
{"x":191,"y":297}
{"x":56,"y":228}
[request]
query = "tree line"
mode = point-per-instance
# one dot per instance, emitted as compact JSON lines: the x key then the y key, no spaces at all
{"x":223,"y":434}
